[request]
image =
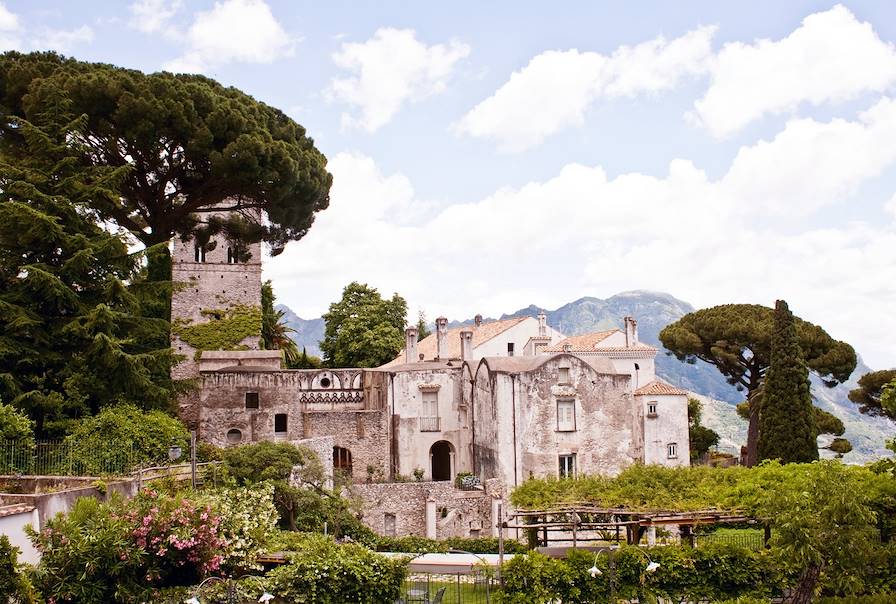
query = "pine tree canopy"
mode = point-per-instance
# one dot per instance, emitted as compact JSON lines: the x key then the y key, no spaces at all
{"x":737,"y":339}
{"x":186,"y":147}
{"x":868,"y":395}
{"x":363,"y":329}
{"x":787,"y":429}
{"x":73,"y":337}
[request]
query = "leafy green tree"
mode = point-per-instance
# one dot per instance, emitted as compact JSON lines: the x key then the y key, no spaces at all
{"x":120,"y":437}
{"x":422,"y":327}
{"x":888,"y":399}
{"x":15,"y":425}
{"x":274,"y":331}
{"x":363,"y":329}
{"x":701,"y":438}
{"x":736,"y":339}
{"x":787,"y":422}
{"x":187,"y":147}
{"x":868,"y":395}
{"x":73,"y":334}
{"x":14,"y":584}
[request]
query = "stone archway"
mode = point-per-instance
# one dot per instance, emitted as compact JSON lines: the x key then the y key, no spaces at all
{"x":441,"y":459}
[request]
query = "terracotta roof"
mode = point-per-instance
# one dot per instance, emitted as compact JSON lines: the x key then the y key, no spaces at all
{"x":658,"y":387}
{"x":583,"y":343}
{"x":17,"y":508}
{"x":481,"y":334}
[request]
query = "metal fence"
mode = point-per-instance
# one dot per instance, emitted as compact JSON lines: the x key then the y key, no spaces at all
{"x":66,"y":458}
{"x":750,"y":539}
{"x":425,"y":588}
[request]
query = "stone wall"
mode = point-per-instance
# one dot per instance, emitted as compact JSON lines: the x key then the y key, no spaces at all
{"x":458,"y":513}
{"x":365,"y":433}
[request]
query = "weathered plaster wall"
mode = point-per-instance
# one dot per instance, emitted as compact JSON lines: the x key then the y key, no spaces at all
{"x":519,"y":335}
{"x":607,"y":435}
{"x":13,"y":526}
{"x":413,"y":435}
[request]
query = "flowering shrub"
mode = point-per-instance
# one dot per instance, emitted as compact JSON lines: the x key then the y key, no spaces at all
{"x":182,"y":538}
{"x":248,"y":518}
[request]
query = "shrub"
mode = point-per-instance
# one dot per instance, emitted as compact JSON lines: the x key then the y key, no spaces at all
{"x":248,"y":520}
{"x":324,"y":572}
{"x":120,"y":437}
{"x":17,"y":429}
{"x":14,"y":585}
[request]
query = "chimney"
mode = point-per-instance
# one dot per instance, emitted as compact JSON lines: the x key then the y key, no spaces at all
{"x":567,"y":348}
{"x":441,"y":338}
{"x":542,"y":324}
{"x":477,"y":320}
{"x":466,"y":345}
{"x":410,"y":345}
{"x":631,"y":332}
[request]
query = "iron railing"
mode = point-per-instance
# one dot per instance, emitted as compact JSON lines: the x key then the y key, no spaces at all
{"x":425,"y":588}
{"x":66,"y":458}
{"x":429,"y":424}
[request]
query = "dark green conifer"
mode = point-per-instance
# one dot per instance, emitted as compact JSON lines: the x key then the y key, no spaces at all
{"x":787,"y":429}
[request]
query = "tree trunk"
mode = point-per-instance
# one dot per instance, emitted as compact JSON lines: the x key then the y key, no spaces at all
{"x":805,"y":589}
{"x":753,"y":435}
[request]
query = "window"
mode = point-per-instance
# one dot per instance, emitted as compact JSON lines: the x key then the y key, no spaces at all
{"x":234,"y":436}
{"x":251,"y":400}
{"x":566,"y":415}
{"x":389,"y":524}
{"x":231,"y":257}
{"x":474,"y":533}
{"x":672,"y":449}
{"x":568,"y":465}
{"x":563,"y":376}
{"x":651,"y":409}
{"x":324,"y":382}
{"x":280,"y":420}
{"x":510,"y":349}
{"x":199,"y":253}
{"x":342,"y":460}
{"x":429,"y":417}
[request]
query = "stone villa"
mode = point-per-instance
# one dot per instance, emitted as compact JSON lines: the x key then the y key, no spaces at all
{"x":501,"y":400}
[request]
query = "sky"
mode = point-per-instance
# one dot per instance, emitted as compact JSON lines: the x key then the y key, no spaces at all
{"x":491,"y":155}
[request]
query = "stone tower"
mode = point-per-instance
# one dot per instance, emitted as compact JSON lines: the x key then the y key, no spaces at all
{"x":212,"y":286}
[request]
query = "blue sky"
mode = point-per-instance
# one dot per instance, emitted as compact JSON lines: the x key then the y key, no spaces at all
{"x":492,"y":155}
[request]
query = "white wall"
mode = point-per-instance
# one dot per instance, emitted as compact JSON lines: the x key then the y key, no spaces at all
{"x":13,"y":526}
{"x":519,"y":334}
{"x":669,"y":426}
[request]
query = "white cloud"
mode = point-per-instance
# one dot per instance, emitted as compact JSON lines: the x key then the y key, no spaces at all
{"x":556,"y":88}
{"x":830,"y":57}
{"x":153,"y":15}
{"x":890,"y":207}
{"x":10,"y":29}
{"x":388,"y":70}
{"x":63,"y":40}
{"x":582,"y":232}
{"x":242,"y":31}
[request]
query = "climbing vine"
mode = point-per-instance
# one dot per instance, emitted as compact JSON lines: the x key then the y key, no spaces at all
{"x":227,"y":328}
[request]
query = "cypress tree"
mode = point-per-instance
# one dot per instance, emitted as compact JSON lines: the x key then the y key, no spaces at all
{"x":787,"y":428}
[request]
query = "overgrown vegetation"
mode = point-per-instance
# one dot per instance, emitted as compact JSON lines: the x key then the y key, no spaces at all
{"x":225,"y":331}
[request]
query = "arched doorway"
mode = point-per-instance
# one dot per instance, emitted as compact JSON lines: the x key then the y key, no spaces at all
{"x":441,"y":458}
{"x":342,"y":461}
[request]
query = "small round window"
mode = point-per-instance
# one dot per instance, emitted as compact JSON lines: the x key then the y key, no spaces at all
{"x":324,"y":382}
{"x":234,"y":436}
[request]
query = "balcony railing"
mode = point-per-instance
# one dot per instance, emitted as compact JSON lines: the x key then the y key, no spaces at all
{"x":429,"y":424}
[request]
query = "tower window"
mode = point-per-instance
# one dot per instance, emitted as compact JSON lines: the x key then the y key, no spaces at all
{"x":231,"y":257}
{"x":251,"y":400}
{"x":672,"y":450}
{"x":199,"y":253}
{"x":280,"y":424}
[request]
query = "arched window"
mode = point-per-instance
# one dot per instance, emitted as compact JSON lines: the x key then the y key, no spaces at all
{"x":342,"y":460}
{"x":199,"y":253}
{"x":234,"y":436}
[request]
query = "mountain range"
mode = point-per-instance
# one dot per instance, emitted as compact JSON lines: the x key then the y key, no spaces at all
{"x":655,"y":310}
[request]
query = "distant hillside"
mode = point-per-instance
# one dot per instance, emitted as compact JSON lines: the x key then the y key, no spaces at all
{"x":308,"y":332}
{"x":655,"y":310}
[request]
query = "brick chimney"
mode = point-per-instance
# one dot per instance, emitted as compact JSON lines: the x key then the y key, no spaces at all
{"x":441,"y":338}
{"x":466,"y":345}
{"x":631,"y":331}
{"x":410,"y":345}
